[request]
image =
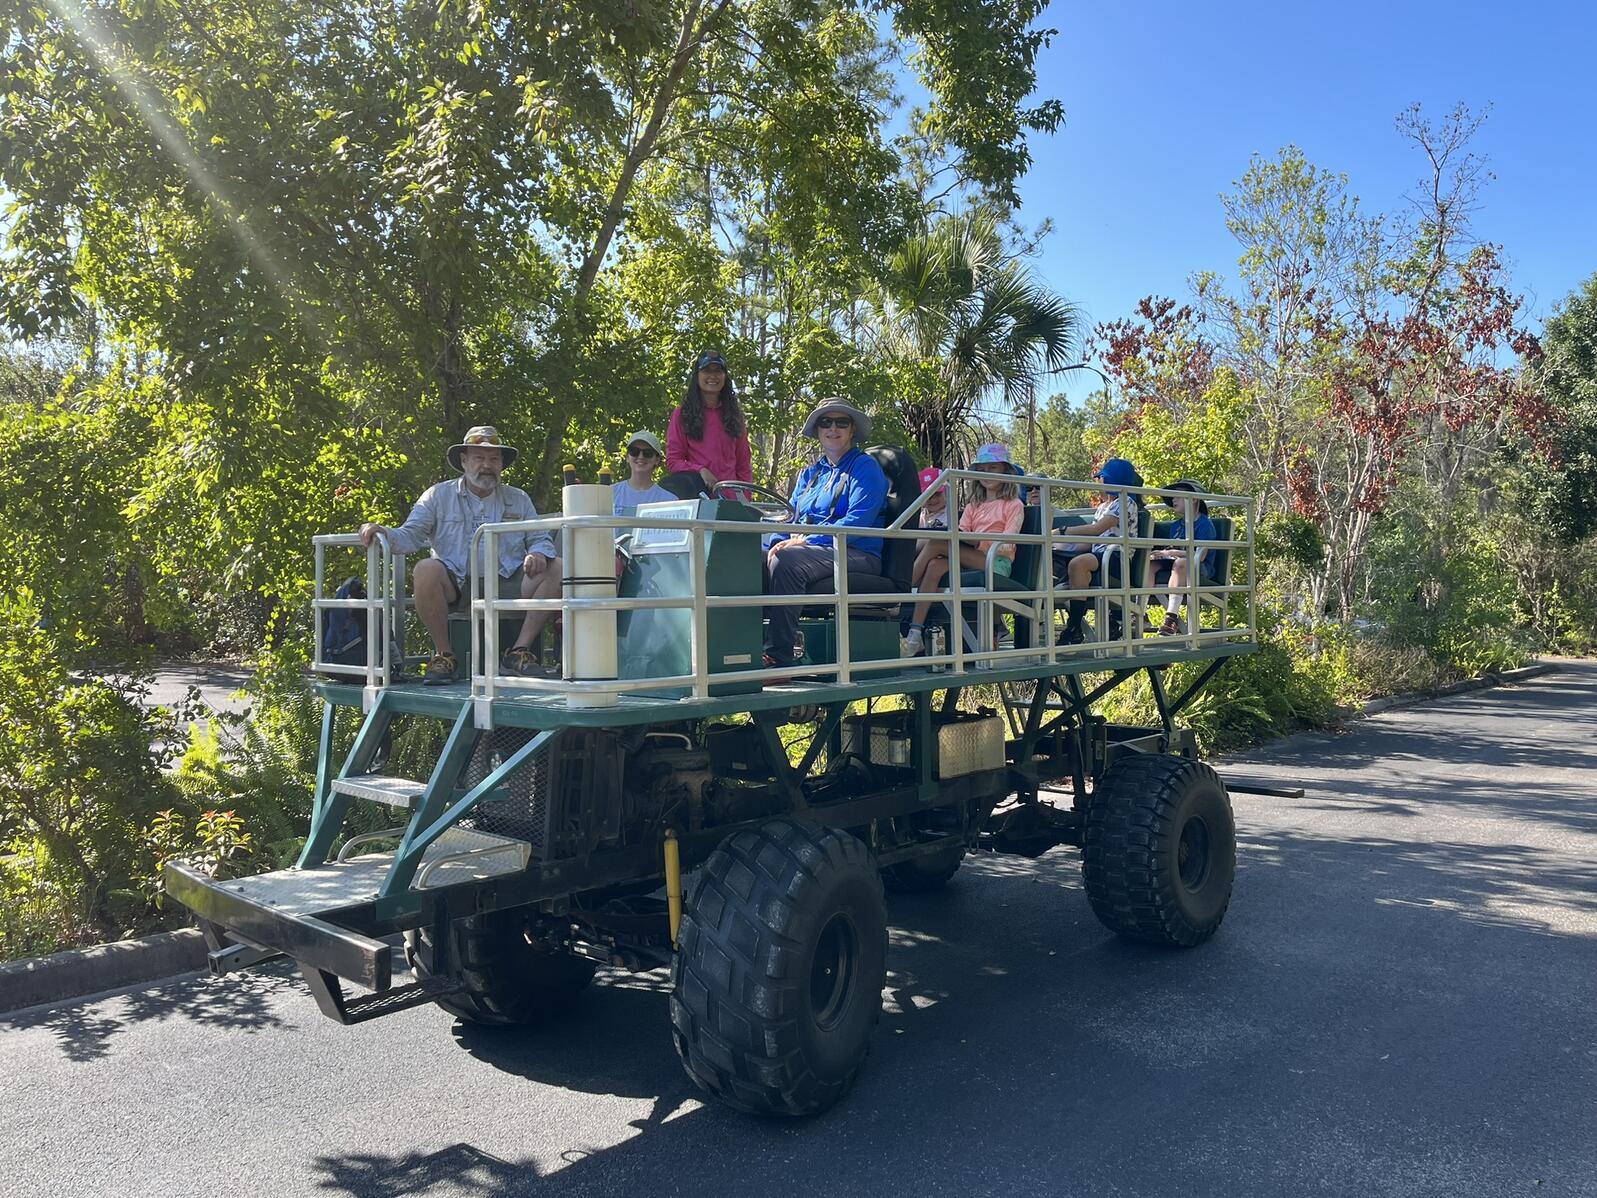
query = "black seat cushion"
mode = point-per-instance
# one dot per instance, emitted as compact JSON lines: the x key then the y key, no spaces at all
{"x":859,"y":583}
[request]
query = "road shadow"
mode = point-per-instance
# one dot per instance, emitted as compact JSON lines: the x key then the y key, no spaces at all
{"x":1536,"y":765}
{"x":86,"y":1030}
{"x":458,"y":1169}
{"x":1313,"y":1043}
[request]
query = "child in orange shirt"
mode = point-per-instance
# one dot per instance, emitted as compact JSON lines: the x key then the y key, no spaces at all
{"x":994,"y":506}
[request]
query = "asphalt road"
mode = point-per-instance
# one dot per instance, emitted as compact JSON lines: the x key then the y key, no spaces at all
{"x":219,"y":685}
{"x":1401,"y":1002}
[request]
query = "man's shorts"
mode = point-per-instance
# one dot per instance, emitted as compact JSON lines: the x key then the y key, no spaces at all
{"x":509,"y":588}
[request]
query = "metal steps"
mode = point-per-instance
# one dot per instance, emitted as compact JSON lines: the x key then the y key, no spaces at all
{"x":329,"y":994}
{"x":381,"y":788}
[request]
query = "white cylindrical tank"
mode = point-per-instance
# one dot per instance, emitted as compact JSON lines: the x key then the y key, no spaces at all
{"x":590,"y":573}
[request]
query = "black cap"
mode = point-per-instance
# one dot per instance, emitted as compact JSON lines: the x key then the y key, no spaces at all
{"x":713,"y":358}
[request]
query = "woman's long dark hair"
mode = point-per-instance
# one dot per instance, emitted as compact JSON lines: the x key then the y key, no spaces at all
{"x":693,"y":408}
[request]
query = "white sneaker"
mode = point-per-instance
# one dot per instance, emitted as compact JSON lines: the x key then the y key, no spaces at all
{"x":914,"y":643}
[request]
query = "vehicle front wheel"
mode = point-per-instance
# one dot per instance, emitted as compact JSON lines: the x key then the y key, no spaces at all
{"x":503,"y":978}
{"x":777,"y":985}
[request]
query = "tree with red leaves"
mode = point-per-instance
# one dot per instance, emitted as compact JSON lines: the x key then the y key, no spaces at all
{"x":1374,"y":352}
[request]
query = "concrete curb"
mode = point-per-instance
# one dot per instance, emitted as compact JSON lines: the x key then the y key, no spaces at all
{"x":84,"y":971}
{"x":1506,"y":677}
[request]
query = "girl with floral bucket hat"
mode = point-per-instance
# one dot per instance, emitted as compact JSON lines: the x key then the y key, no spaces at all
{"x":993,"y":507}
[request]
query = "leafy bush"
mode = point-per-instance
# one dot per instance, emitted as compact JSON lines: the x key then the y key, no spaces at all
{"x":216,"y":844}
{"x":1392,"y":668}
{"x":1460,"y":606}
{"x":1297,"y":678}
{"x":81,"y":766}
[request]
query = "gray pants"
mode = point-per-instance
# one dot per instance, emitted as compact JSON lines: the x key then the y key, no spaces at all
{"x":796,"y":567}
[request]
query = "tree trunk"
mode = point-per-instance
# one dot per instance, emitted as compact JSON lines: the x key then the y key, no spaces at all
{"x":689,"y":40}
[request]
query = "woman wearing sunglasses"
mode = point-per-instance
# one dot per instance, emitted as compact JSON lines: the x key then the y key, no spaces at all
{"x":708,"y":436}
{"x":843,"y":488}
{"x":643,"y":459}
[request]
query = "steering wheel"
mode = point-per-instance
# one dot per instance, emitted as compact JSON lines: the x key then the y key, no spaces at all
{"x":780,"y":500}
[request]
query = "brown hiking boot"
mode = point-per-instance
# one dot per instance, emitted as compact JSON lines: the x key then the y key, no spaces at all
{"x":521,"y":662}
{"x":440,"y":670}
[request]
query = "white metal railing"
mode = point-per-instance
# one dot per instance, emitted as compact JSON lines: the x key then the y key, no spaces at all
{"x":384,"y":606}
{"x":487,"y":683}
{"x":973,"y":647}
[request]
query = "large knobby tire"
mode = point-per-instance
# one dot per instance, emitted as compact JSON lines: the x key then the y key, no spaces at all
{"x":778,"y":983}
{"x":920,"y":875}
{"x":1159,"y":853}
{"x":503,"y":978}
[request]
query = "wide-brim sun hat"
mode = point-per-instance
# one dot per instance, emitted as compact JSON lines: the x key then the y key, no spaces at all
{"x":1117,"y":472}
{"x":994,"y":453}
{"x":862,"y":422}
{"x":648,"y":439}
{"x":482,"y":436}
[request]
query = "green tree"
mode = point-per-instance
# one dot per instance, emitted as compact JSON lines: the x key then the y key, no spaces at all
{"x":1058,"y":440}
{"x":962,"y":321}
{"x":337,"y":234}
{"x":1562,"y":485}
{"x":1371,"y":348}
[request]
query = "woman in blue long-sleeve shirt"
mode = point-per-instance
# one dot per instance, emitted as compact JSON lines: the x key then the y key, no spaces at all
{"x":843,"y":488}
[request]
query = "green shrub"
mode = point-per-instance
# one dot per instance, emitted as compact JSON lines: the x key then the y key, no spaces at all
{"x":81,"y":771}
{"x":1297,"y":678}
{"x":1387,"y":667}
{"x":216,"y":844}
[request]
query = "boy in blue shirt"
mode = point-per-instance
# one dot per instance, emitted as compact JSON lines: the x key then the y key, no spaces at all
{"x":1172,"y":564}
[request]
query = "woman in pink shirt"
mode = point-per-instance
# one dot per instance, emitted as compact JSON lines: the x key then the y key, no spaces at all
{"x":708,"y":435}
{"x":994,"y":506}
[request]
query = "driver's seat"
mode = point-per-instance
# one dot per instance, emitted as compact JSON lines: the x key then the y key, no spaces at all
{"x":898,"y":553}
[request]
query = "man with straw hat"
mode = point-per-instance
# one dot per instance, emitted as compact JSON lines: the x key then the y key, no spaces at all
{"x":444,"y":519}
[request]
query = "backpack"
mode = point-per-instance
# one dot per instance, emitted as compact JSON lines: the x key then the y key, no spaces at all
{"x":344,"y":629}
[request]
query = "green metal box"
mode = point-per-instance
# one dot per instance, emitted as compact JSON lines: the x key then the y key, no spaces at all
{"x":657,"y":643}
{"x":868,"y":639}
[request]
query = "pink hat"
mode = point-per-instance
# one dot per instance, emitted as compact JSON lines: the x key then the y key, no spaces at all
{"x":928,"y":476}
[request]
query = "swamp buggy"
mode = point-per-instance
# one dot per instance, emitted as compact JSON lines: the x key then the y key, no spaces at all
{"x":665,"y":802}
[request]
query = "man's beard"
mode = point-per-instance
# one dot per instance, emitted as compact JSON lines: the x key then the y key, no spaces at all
{"x":483,"y":477}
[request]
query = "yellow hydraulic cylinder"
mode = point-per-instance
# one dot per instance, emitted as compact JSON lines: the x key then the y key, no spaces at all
{"x":673,"y":883}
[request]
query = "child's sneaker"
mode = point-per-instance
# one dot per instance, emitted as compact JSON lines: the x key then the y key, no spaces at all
{"x":1171,"y":625}
{"x":915,"y":642}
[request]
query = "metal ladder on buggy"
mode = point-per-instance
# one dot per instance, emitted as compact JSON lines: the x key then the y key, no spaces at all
{"x":290,"y":912}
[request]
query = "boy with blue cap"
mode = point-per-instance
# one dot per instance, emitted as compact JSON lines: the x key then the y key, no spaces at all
{"x":1076,"y":564}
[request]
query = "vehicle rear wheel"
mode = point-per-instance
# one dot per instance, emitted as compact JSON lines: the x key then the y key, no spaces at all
{"x":504,"y":978}
{"x":1159,"y":852}
{"x":778,"y":982}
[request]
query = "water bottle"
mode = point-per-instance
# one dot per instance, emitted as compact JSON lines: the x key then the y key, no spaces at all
{"x":936,"y":646}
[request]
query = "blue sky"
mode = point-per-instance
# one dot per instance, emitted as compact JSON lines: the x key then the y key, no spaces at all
{"x":1164,"y":104}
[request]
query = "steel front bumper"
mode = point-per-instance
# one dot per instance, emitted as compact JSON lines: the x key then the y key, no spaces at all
{"x":286,"y":913}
